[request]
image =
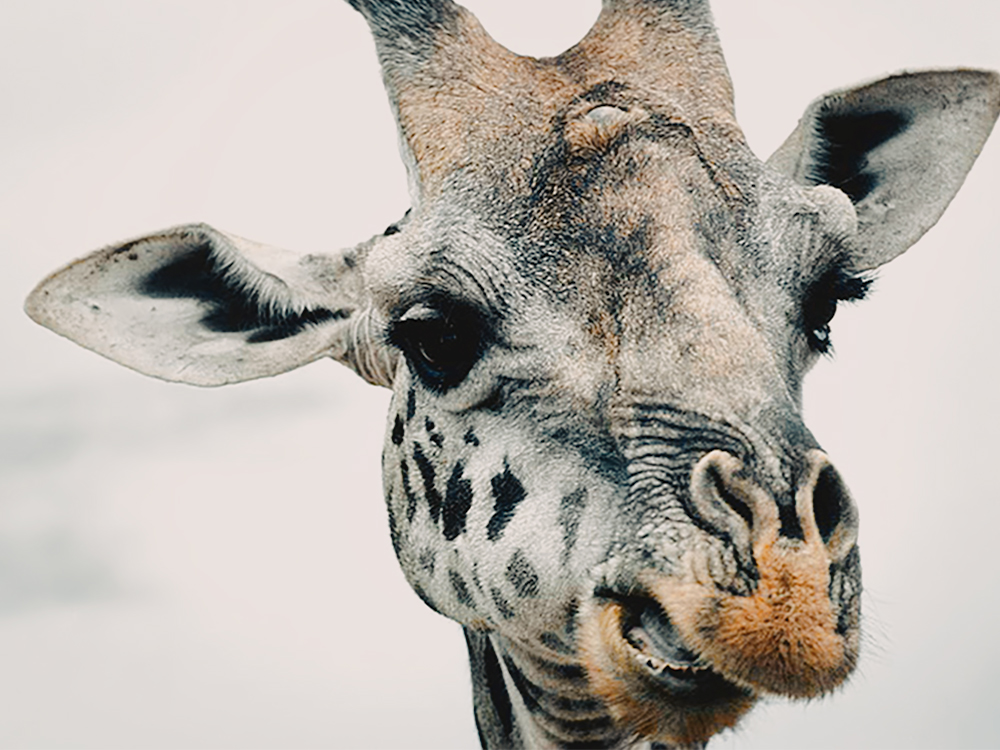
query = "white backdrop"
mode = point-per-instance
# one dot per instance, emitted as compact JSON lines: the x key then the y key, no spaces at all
{"x":182,"y":567}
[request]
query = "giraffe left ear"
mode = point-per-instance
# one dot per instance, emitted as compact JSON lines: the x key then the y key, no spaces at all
{"x":899,"y":148}
{"x":195,"y":305}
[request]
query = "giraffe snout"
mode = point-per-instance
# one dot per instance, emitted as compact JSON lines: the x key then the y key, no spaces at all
{"x":730,"y":501}
{"x":796,"y":632}
{"x":705,"y":643}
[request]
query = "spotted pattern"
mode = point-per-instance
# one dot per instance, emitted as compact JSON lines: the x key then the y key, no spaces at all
{"x":570,"y":510}
{"x":457,"y":501}
{"x":522,"y":576}
{"x":431,"y":493}
{"x":502,"y":605}
{"x":461,"y":589}
{"x":508,"y":492}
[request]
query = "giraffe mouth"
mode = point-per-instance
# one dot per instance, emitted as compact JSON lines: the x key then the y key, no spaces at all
{"x":654,"y":644}
{"x":652,"y":681}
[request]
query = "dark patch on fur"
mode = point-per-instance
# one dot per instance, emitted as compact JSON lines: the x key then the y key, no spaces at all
{"x":551,"y":640}
{"x":845,"y":589}
{"x":790,"y":527}
{"x":428,"y":559}
{"x":398,"y":431}
{"x":571,"y":612}
{"x":605,"y":92}
{"x":471,"y":439}
{"x":508,"y":492}
{"x":528,"y":690}
{"x":431,"y":494}
{"x":405,"y":30}
{"x":425,"y":597}
{"x":231,"y":306}
{"x":411,"y":404}
{"x":522,"y":576}
{"x":457,"y":501}
{"x":411,"y":498}
{"x":502,"y":605}
{"x":845,"y":140}
{"x":588,"y":733}
{"x":394,"y":533}
{"x":461,"y":589}
{"x":569,"y":671}
{"x":570,"y":509}
{"x":494,"y":712}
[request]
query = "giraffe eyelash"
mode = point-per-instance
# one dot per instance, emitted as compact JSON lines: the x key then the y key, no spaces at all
{"x":820,"y":304}
{"x":441,"y":342}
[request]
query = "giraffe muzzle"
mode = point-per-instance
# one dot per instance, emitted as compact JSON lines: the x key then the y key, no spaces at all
{"x":681,"y":656}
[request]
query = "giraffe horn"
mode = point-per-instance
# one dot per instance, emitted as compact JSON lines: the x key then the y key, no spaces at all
{"x":407,"y":33}
{"x":439,"y":66}
{"x":665,"y":47}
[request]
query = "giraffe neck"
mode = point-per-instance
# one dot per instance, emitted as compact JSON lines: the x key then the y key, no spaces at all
{"x":526,"y":700}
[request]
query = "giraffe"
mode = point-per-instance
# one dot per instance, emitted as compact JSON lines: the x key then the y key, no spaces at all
{"x":595,"y":319}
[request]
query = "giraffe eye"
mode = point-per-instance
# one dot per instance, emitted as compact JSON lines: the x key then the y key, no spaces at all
{"x":441,"y":344}
{"x":821,"y":300}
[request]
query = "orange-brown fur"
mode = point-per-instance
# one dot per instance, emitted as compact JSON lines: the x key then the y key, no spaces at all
{"x":782,"y":638}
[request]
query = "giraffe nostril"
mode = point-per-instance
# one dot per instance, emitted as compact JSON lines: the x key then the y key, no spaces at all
{"x":826,"y":497}
{"x":828,"y":502}
{"x":723,"y":503}
{"x":730,"y":498}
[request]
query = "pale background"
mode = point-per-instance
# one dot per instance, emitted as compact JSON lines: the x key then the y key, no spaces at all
{"x":181,"y":567}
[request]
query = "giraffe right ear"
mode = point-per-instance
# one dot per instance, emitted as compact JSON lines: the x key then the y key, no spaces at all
{"x":195,"y":305}
{"x":899,"y":148}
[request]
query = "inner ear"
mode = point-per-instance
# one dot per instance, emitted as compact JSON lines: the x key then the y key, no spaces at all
{"x":839,"y":156}
{"x":233,"y":299}
{"x":195,"y":305}
{"x":899,"y":148}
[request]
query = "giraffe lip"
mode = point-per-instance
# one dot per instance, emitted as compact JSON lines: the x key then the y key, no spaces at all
{"x":656,"y":644}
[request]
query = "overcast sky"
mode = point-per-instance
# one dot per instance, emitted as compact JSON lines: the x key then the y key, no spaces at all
{"x":181,"y":567}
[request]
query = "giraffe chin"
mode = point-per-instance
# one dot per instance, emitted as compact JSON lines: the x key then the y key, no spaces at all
{"x":658,"y":696}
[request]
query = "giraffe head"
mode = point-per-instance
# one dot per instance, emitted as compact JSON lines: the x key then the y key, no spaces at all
{"x":595,"y":319}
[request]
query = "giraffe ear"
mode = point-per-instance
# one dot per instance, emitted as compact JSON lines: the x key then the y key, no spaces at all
{"x":195,"y":305}
{"x":899,"y":148}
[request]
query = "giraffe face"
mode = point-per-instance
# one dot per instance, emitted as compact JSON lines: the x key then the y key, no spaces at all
{"x":596,"y":419}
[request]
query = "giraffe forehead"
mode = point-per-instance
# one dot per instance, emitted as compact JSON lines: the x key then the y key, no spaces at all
{"x":469,"y":96}
{"x":636,"y":232}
